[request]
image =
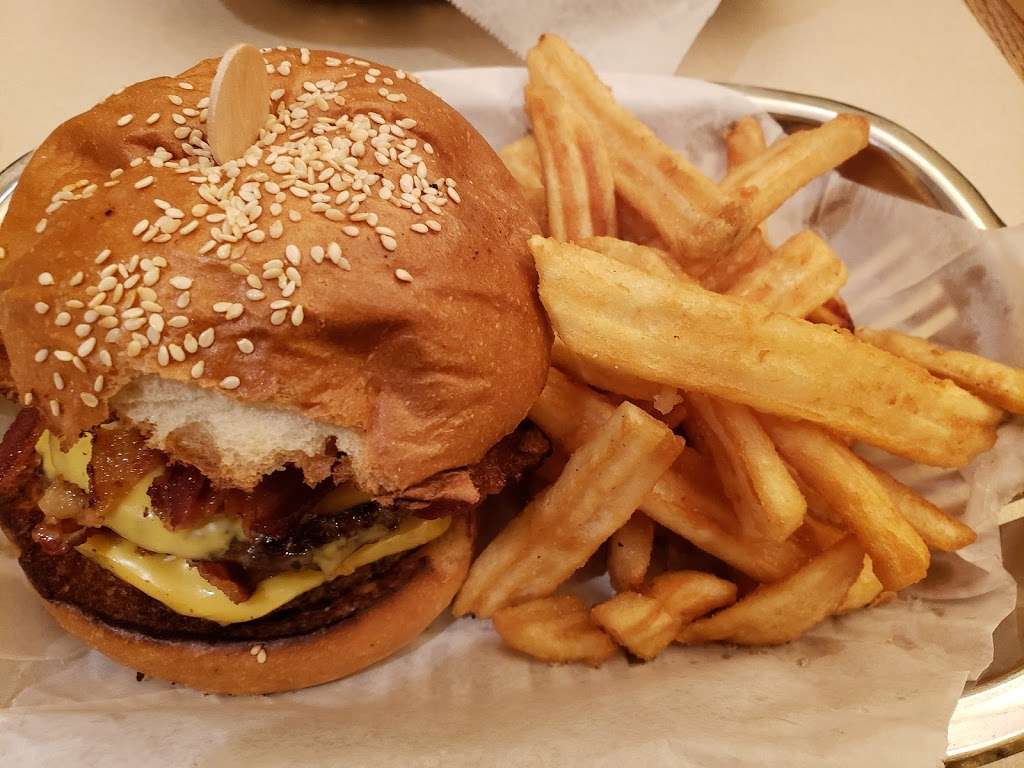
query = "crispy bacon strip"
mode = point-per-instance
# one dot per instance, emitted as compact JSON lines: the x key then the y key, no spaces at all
{"x":229,"y":578}
{"x":17,"y":450}
{"x":120,"y":459}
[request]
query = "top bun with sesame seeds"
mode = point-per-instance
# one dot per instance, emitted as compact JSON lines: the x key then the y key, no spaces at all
{"x":358,"y":283}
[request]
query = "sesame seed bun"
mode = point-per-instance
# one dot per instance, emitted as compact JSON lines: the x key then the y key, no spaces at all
{"x":412,"y":344}
{"x":285,"y":664}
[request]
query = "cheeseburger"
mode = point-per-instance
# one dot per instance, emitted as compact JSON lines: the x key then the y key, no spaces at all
{"x":262,"y":396}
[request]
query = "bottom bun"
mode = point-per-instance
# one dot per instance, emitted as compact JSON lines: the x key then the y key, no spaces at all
{"x":290,"y":663}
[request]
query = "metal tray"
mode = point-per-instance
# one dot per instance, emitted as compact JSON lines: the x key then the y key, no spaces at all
{"x":989,"y":719}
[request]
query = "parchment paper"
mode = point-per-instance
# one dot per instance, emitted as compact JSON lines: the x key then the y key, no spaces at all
{"x":874,"y":688}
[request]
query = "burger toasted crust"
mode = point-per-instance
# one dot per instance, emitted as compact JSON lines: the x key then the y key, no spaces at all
{"x":295,"y":662}
{"x":415,"y":377}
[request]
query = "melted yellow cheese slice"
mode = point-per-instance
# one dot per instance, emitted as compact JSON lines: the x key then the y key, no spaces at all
{"x":72,"y":465}
{"x":173,"y":582}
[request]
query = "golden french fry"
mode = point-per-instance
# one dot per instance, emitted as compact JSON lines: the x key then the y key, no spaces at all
{"x":767,"y":180}
{"x":684,"y":336}
{"x":766,"y":500}
{"x":577,"y":172}
{"x":688,"y":595}
{"x":744,"y":140}
{"x":782,"y":611}
{"x":801,"y":274}
{"x":691,"y":214}
{"x":684,"y":500}
{"x":832,"y":312}
{"x":637,"y":622}
{"x":634,"y":227}
{"x":999,"y":384}
{"x":939,"y":530}
{"x":853,"y":493}
{"x":726,"y":270}
{"x":652,"y":260}
{"x":556,"y":629}
{"x":522,"y":159}
{"x":816,"y":535}
{"x":602,"y":377}
{"x":863,"y":591}
{"x":629,"y":552}
{"x":604,"y":481}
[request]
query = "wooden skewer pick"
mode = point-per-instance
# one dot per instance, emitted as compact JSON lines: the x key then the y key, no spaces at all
{"x":239,"y":102}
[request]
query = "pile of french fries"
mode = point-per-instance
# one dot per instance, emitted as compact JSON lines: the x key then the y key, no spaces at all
{"x":705,"y":390}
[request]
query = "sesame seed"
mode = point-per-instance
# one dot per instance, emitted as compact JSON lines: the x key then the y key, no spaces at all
{"x":350,"y":230}
{"x":153,"y":335}
{"x":133,"y":349}
{"x":86,"y":347}
{"x":97,"y":385}
{"x":55,"y":408}
{"x":40,"y":226}
{"x":245,"y":346}
{"x":42,"y":307}
{"x":261,"y":656}
{"x":342,"y":262}
{"x":162,"y":356}
{"x":206,"y":338}
{"x":190,"y":344}
{"x":181,"y":282}
{"x":175,"y":99}
{"x":136,"y":162}
{"x":123,"y":120}
{"x":234,"y":311}
{"x":297,"y":315}
{"x":178,"y":321}
{"x":41,"y":355}
{"x":82,"y":330}
{"x":221,"y":306}
{"x":153,"y":118}
{"x":143,"y":182}
{"x":278,"y":317}
{"x":280,"y":304}
{"x":253,"y":294}
{"x":197,"y":369}
{"x":388,"y":242}
{"x":230,"y":382}
{"x":58,"y":380}
{"x":420,"y":227}
{"x":141,"y":226}
{"x":89,"y":399}
{"x":102,"y":256}
{"x":293,"y":254}
{"x":403,"y":275}
{"x":186,"y":86}
{"x":104,"y":358}
{"x":62,"y":319}
{"x":433,"y":225}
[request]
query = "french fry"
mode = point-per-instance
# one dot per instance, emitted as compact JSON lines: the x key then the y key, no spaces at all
{"x":688,"y":595}
{"x":687,"y":337}
{"x":683,"y":500}
{"x":629,"y":553}
{"x":652,"y":260}
{"x":767,"y":180}
{"x":935,"y":527}
{"x":634,"y":227}
{"x":853,"y":492}
{"x":863,"y":591}
{"x":555,"y":629}
{"x":999,"y":384}
{"x":637,"y":622}
{"x":782,"y":611}
{"x":577,"y":173}
{"x":522,"y":159}
{"x":832,"y":312}
{"x":604,"y":481}
{"x":726,"y":270}
{"x":744,"y":140}
{"x":603,"y":377}
{"x":764,"y":496}
{"x":695,"y":219}
{"x":801,"y":274}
